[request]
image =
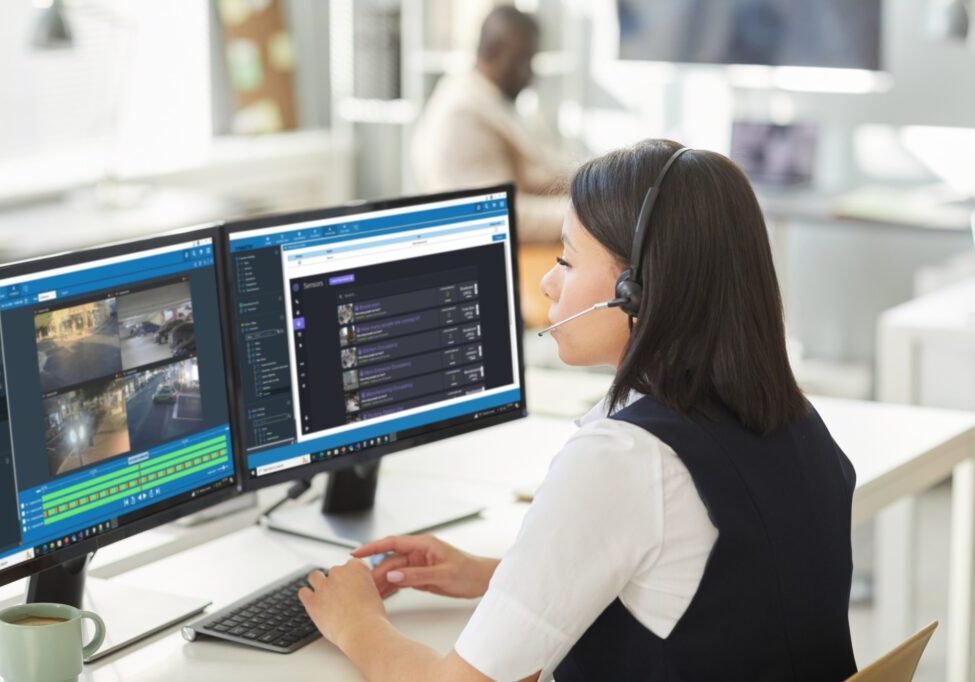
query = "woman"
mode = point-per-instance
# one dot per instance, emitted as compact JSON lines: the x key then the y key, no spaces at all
{"x":697,"y":525}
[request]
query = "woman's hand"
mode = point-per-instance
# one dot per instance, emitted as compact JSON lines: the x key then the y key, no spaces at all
{"x":425,"y":563}
{"x":344,"y":602}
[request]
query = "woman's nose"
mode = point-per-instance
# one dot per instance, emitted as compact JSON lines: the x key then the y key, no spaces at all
{"x":546,"y":284}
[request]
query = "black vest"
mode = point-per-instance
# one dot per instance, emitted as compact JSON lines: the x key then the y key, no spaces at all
{"x":772,"y":603}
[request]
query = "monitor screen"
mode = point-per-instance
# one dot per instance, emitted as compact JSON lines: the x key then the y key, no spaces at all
{"x":824,"y":33}
{"x":774,"y":154}
{"x":121,"y":408}
{"x":362,"y":331}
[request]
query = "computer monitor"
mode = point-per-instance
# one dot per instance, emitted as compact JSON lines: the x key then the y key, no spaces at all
{"x":115,"y":413}
{"x":360,"y":331}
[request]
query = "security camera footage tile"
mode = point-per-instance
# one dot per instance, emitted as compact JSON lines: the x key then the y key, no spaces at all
{"x":110,"y":389}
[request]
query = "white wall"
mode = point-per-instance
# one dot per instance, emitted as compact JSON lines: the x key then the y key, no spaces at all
{"x":842,"y":275}
{"x":131,"y":96}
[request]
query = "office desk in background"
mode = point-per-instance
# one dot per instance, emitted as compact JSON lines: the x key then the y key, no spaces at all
{"x":920,"y":208}
{"x":47,"y":204}
{"x":77,"y":221}
{"x":897,"y":450}
{"x":918,"y":344}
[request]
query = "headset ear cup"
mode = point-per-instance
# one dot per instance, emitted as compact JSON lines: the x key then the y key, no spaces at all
{"x":632,"y":291}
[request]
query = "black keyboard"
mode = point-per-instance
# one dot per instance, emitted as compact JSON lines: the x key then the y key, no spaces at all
{"x":271,"y":618}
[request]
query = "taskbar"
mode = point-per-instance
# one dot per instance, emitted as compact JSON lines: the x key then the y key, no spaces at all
{"x":88,"y":532}
{"x":94,"y":530}
{"x":370,"y":443}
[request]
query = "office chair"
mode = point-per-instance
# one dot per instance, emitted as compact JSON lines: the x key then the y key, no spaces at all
{"x":898,"y":664}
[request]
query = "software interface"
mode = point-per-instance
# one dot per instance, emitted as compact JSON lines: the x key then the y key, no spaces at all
{"x":121,"y":406}
{"x":364,"y":329}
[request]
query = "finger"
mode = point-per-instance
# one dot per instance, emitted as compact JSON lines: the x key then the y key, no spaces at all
{"x":382,"y":583}
{"x":392,"y":563}
{"x":417,"y":577}
{"x":388,"y":590}
{"x":305,"y":596}
{"x":401,"y":544}
{"x":385,"y":589}
{"x":317,"y":580}
{"x":358,"y":565}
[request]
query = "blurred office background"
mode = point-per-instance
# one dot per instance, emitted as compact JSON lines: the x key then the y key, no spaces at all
{"x":854,"y":118}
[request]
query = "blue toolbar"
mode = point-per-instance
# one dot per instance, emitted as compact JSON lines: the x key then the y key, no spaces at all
{"x":358,"y":227}
{"x":99,"y":278}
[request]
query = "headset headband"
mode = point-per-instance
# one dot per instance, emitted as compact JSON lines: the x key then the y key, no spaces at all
{"x":643,"y":221}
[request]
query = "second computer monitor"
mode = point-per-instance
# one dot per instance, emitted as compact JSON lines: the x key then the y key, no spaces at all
{"x":360,"y":331}
{"x":114,"y":376}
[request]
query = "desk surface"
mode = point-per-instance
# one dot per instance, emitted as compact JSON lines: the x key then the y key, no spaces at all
{"x":227,"y":568}
{"x":951,"y":309}
{"x":917,"y":207}
{"x":896,"y":449}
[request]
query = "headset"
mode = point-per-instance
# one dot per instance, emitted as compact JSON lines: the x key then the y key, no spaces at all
{"x":629,"y":286}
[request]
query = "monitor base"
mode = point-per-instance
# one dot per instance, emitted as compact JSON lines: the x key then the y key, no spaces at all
{"x":402,"y":507}
{"x":132,"y":614}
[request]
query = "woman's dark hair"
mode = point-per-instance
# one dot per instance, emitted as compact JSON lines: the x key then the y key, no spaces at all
{"x":710,"y":327}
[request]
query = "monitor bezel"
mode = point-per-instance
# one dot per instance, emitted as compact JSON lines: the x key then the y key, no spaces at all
{"x":175,"y":510}
{"x":375,"y":453}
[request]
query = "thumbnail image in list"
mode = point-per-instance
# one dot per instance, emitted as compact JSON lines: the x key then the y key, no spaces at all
{"x":162,"y":403}
{"x":85,"y":426}
{"x":77,"y":344}
{"x":156,"y":324}
{"x":346,"y":336}
{"x":346,"y":314}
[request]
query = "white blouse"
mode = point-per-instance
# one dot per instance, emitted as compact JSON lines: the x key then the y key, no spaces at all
{"x":618,"y":515}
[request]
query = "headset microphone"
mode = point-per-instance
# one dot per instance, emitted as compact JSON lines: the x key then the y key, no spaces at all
{"x":615,"y":303}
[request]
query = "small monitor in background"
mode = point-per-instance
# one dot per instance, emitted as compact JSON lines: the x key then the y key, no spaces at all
{"x":773,"y":154}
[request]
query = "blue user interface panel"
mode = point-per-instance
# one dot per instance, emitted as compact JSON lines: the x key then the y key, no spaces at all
{"x":114,"y":399}
{"x":356,"y":331}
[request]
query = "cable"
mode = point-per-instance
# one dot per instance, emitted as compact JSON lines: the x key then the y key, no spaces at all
{"x":296,"y":490}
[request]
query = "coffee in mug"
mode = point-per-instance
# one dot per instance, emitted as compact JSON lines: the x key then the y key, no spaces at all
{"x":43,"y":642}
{"x":39,"y":620}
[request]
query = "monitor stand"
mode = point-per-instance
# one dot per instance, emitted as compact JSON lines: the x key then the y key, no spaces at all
{"x":351,"y":513}
{"x":130,"y":613}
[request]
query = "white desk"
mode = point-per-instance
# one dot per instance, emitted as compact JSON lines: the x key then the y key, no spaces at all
{"x":76,"y":221}
{"x":224,"y":569}
{"x":918,"y":334}
{"x":898,"y":450}
{"x":919,"y":344}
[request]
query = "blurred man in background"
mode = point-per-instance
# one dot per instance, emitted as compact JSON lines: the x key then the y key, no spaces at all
{"x":470,"y":134}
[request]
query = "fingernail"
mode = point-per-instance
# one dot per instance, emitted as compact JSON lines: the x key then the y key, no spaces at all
{"x":395,"y":576}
